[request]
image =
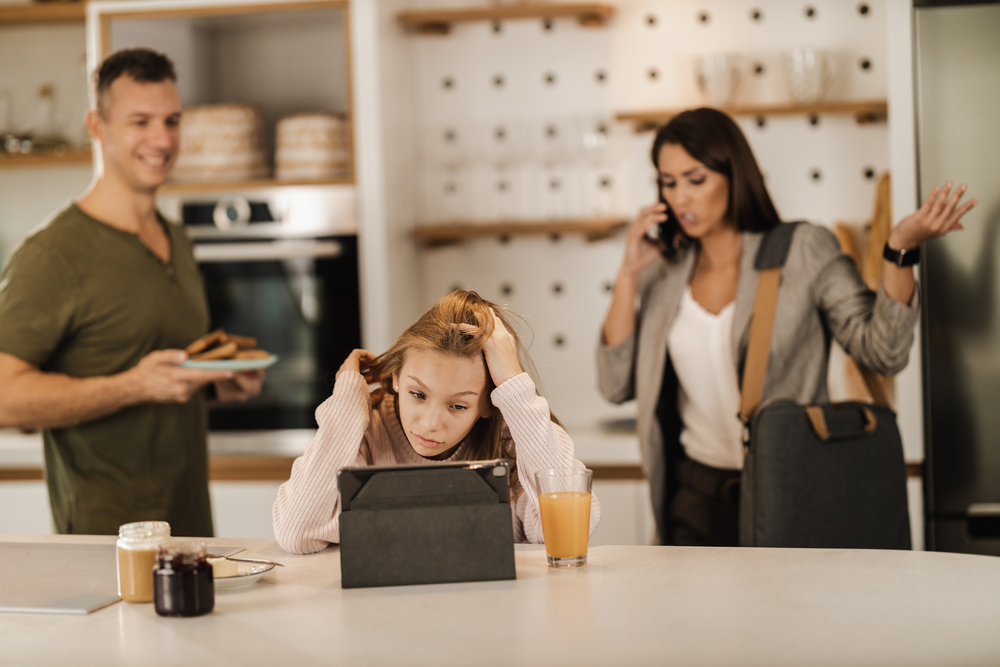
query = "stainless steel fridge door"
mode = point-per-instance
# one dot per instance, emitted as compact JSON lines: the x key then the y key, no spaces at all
{"x":958,"y":137}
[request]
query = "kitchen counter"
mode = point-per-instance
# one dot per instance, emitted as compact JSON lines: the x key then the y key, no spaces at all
{"x":246,"y":468}
{"x":615,"y":454}
{"x":629,"y":605}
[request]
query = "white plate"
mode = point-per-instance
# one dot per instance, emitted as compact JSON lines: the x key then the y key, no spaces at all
{"x":247,"y":574}
{"x":231,"y":364}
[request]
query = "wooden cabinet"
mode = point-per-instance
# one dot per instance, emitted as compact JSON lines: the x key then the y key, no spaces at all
{"x":36,"y":13}
{"x":281,"y":57}
{"x":41,"y":44}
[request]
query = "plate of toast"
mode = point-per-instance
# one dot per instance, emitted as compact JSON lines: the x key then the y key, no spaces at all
{"x":221,"y":351}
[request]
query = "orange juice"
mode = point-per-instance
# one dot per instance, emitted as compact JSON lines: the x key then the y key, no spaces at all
{"x":565,"y":523}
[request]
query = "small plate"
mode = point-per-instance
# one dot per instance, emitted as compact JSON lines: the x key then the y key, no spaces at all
{"x":247,"y":574}
{"x":231,"y":364}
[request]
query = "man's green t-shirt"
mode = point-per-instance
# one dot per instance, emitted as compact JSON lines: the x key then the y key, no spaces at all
{"x":84,"y":299}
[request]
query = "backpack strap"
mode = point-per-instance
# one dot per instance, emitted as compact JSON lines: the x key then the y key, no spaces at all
{"x":759,"y":345}
{"x":770,"y":258}
{"x":774,"y":246}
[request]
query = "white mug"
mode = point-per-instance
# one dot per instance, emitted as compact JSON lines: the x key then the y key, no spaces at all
{"x":719,"y":78}
{"x":808,"y":73}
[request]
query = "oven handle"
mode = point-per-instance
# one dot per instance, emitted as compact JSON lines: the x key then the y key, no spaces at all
{"x":266,"y":252}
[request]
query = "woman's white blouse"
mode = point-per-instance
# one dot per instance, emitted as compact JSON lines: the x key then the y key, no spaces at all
{"x":701,"y":350}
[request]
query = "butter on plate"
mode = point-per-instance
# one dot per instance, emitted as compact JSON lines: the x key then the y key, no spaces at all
{"x":223,"y":567}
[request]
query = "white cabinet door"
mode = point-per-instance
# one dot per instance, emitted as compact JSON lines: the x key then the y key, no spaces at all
{"x":626,"y":514}
{"x":243,"y":509}
{"x":24,"y":509}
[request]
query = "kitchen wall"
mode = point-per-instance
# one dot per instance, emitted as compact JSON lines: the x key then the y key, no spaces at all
{"x":460,"y":91}
{"x":31,"y":56}
{"x":523,"y":78}
{"x":520,"y":77}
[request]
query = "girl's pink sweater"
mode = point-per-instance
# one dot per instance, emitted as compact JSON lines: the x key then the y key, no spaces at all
{"x":353,"y":433}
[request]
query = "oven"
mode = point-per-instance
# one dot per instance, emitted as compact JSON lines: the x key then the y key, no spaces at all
{"x":292,"y":287}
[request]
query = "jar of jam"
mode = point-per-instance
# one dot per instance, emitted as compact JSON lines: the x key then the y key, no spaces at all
{"x":138,"y":545}
{"x":182,"y":581}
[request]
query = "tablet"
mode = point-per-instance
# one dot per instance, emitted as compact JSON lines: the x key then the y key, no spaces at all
{"x":412,"y":479}
{"x":425,"y":524}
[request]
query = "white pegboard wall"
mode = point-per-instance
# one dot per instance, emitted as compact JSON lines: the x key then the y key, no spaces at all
{"x":524,"y":77}
{"x":668,"y":36}
{"x":560,"y":286}
{"x":524,"y":83}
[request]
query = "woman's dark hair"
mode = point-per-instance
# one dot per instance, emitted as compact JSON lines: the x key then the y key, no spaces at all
{"x":142,"y":65}
{"x":712,"y":138}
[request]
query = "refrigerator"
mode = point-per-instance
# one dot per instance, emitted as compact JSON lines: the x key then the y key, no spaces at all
{"x":957,"y":88}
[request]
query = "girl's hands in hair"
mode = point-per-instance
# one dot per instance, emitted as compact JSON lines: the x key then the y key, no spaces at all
{"x":500,"y":351}
{"x":939,"y":214}
{"x":355,"y":361}
{"x":640,"y":249}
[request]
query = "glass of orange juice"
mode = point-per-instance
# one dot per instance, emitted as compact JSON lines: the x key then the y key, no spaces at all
{"x":564,"y":500}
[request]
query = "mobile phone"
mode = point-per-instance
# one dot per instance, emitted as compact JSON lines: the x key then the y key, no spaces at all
{"x":667,"y":229}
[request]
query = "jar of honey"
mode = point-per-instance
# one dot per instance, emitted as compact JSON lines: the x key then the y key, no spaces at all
{"x":182,"y":582}
{"x":138,"y":544}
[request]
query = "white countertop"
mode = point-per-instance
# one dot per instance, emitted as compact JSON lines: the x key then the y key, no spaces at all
{"x":628,"y":606}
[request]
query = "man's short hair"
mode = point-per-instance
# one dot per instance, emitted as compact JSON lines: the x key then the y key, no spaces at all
{"x":142,"y":65}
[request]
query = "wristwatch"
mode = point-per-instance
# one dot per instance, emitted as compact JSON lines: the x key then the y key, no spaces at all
{"x":904,"y":257}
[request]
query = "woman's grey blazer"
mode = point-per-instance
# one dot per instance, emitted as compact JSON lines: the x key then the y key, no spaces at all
{"x":821,"y":296}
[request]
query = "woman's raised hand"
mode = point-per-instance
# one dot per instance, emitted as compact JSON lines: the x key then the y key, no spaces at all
{"x":500,"y":350}
{"x":640,"y":249}
{"x":939,"y":214}
{"x":355,"y":360}
{"x":640,"y":252}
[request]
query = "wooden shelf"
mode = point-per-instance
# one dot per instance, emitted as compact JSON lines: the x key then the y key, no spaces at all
{"x":232,"y":186}
{"x":864,"y":111}
{"x":43,"y":12}
{"x":439,"y":21}
{"x":71,"y":158}
{"x":444,"y":234}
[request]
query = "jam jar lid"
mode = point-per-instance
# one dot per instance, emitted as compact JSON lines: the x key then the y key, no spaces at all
{"x":181,"y":553}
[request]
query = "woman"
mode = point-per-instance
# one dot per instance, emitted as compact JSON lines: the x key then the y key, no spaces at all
{"x":689,"y":260}
{"x":451,"y":389}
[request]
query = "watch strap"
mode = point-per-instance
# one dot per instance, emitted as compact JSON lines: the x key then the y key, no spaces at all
{"x":904,"y":257}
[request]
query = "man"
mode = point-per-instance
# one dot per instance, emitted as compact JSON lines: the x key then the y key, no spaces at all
{"x":95,"y":308}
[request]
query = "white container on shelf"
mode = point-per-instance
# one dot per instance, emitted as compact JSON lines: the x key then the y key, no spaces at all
{"x":220,"y":142}
{"x":808,"y":73}
{"x":312,"y":146}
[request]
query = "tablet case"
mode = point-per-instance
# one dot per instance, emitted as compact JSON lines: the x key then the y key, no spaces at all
{"x":425,"y":524}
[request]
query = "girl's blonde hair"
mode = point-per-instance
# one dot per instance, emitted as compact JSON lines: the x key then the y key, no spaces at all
{"x":437,"y":330}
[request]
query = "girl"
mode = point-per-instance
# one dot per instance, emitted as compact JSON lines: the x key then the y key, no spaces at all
{"x":451,"y":389}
